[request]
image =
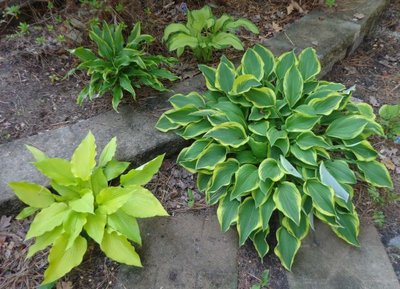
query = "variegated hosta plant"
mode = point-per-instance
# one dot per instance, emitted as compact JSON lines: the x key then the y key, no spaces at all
{"x":82,"y":204}
{"x":269,"y":138}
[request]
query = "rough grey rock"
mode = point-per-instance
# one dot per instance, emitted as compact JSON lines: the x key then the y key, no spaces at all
{"x":186,"y":251}
{"x":326,"y":262}
{"x":395,"y":242}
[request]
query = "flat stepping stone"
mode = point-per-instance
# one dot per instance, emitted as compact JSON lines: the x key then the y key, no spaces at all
{"x":186,"y":251}
{"x":326,"y":262}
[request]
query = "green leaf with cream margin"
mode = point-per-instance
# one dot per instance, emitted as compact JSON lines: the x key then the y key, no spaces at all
{"x":307,"y":141}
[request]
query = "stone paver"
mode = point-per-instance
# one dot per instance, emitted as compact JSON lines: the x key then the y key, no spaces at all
{"x":326,"y":262}
{"x":186,"y":251}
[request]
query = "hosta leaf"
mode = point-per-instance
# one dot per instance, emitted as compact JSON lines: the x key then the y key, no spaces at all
{"x":269,"y":168}
{"x":211,"y":156}
{"x":299,"y":122}
{"x":246,"y":180}
{"x":364,"y":151}
{"x":62,"y":260}
{"x":143,"y":204}
{"x":248,"y":219}
{"x":284,"y":63}
{"x":32,"y":194}
{"x":26,"y":212}
{"x":209,"y":74}
{"x":47,"y":219}
{"x":182,"y":116}
{"x":330,"y":181}
{"x":41,"y":242}
{"x":36,"y":153}
{"x":299,"y":231}
{"x":227,"y":212}
{"x":258,"y":148}
{"x":309,"y":64}
{"x":58,"y":170}
{"x":73,"y":226}
{"x":327,"y":104}
{"x":223,"y":39}
{"x":322,"y":196}
{"x":181,"y":100}
{"x":125,"y":225}
{"x":229,"y":134}
{"x":125,"y":254}
{"x":340,"y":171}
{"x":222,"y":175}
{"x":286,"y":248}
{"x":203,"y":181}
{"x":181,"y":40}
{"x":288,"y":167}
{"x":261,"y":97}
{"x":260,"y":242}
{"x":193,"y":151}
{"x":266,"y":211}
{"x":98,"y":180}
{"x":84,"y":158}
{"x":308,"y":139}
{"x":174,"y":28}
{"x":94,"y":226}
{"x":114,"y":168}
{"x":108,"y":152}
{"x":164,"y":124}
{"x":259,"y":128}
{"x":306,"y":156}
{"x":244,"y":83}
{"x":213,"y":197}
{"x":111,"y":199}
{"x":267,"y":58}
{"x":348,"y":229}
{"x":85,"y":204}
{"x":347,"y":127}
{"x":224,"y":77}
{"x":195,"y":129}
{"x":143,"y":174}
{"x":293,"y":86}
{"x":287,"y":199}
{"x":375,"y":173}
{"x":241,"y":22}
{"x":252,"y":64}
{"x":273,"y":135}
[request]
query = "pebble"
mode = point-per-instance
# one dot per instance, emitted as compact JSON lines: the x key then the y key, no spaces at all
{"x":395,"y":242}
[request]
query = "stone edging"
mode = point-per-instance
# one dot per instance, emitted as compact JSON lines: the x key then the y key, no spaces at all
{"x":333,"y":34}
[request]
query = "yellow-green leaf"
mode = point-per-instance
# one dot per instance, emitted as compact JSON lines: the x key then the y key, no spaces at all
{"x":83,"y":159}
{"x":32,"y":194}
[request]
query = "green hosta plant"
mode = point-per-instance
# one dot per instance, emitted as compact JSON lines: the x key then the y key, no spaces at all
{"x":120,"y":65}
{"x":390,"y":118}
{"x":85,"y":202}
{"x":203,"y":32}
{"x":269,"y":138}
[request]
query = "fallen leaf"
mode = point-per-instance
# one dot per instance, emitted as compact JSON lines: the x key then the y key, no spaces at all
{"x":373,"y":101}
{"x":276,"y":27}
{"x":359,"y":16}
{"x":388,"y":163}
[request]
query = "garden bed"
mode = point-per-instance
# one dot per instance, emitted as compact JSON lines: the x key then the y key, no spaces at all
{"x":172,"y":183}
{"x":35,"y":97}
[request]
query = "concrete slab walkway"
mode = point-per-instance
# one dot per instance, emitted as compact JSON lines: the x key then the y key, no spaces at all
{"x":186,"y":251}
{"x":326,"y":262}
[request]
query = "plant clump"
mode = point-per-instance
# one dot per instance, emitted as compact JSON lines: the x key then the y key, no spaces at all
{"x":85,"y":202}
{"x":269,"y":138}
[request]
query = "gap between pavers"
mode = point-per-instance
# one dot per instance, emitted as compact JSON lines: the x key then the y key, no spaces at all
{"x":335,"y":33}
{"x":326,"y":262}
{"x":186,"y":251}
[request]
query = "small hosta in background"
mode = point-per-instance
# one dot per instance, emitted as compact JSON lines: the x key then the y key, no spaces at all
{"x":204,"y":33}
{"x":120,"y":65}
{"x":269,"y":138}
{"x":82,"y":204}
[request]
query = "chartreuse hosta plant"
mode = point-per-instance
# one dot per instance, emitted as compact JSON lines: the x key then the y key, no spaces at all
{"x":82,"y":205}
{"x":120,"y":65}
{"x":204,"y":32}
{"x":269,"y":138}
